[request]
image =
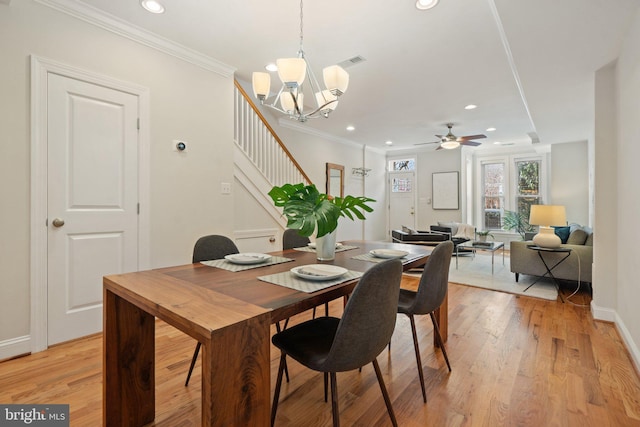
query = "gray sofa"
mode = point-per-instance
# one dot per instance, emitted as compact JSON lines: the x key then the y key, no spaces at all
{"x":576,"y":267}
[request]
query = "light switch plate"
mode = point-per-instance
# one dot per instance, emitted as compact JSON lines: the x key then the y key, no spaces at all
{"x":225,"y":188}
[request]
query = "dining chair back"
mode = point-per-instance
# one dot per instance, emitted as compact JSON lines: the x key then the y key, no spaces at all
{"x":330,"y":345}
{"x":209,"y":248}
{"x":212,"y":247}
{"x":291,"y":239}
{"x":431,"y":292}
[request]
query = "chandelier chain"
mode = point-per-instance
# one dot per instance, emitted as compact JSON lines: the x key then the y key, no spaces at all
{"x":301,"y":27}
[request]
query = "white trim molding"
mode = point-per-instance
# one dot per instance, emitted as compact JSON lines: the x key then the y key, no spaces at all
{"x":118,"y":26}
{"x":610,"y":315}
{"x":15,"y":347}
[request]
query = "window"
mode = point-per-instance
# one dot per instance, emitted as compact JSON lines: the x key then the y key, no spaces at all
{"x":402,"y":165}
{"x":493,"y":179}
{"x":528,"y":186}
{"x":507,"y":183}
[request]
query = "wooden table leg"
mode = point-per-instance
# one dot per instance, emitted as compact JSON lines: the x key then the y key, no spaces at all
{"x":442,"y":317}
{"x":236,"y":375}
{"x":128,"y":364}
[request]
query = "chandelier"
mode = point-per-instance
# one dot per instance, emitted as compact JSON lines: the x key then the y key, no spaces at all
{"x":292,"y":72}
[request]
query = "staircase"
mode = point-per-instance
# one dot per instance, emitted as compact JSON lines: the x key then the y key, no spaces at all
{"x":260,"y":159}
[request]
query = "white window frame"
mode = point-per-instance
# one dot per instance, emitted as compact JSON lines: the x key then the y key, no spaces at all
{"x":510,"y":190}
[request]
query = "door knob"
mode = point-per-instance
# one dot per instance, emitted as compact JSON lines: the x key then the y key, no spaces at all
{"x":58,"y":222}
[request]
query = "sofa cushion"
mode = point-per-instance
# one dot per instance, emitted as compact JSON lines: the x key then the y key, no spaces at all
{"x":589,"y":241}
{"x":577,"y":237}
{"x":562,"y":233}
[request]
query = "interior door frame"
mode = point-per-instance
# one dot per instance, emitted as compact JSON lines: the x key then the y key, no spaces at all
{"x":40,"y":68}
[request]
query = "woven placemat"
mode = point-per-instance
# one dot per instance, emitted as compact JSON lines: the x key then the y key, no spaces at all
{"x":226,"y":265}
{"x":338,"y":249}
{"x":290,"y":280}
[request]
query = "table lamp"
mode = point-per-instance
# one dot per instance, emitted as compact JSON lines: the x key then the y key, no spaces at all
{"x":546,"y":216}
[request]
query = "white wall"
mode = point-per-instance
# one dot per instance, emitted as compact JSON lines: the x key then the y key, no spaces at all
{"x":429,"y":161}
{"x":570,"y":180}
{"x":187,"y":102}
{"x":627,"y":208}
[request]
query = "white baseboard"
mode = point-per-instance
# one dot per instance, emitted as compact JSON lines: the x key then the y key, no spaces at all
{"x":609,"y":315}
{"x":15,"y":347}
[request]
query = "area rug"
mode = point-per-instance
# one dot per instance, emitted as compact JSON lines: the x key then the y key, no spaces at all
{"x":476,"y":271}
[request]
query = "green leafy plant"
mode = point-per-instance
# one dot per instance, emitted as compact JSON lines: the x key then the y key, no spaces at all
{"x":517,"y":221}
{"x":484,"y":233}
{"x":307,"y":209}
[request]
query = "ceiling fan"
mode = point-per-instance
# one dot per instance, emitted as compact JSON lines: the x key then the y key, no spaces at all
{"x":450,"y":141}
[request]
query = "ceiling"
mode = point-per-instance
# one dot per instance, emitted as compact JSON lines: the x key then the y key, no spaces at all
{"x":528,"y":65}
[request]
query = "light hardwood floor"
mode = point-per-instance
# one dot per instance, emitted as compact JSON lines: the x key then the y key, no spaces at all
{"x":517,"y":361}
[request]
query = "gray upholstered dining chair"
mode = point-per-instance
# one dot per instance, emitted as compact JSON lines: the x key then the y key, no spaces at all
{"x":330,"y":345}
{"x":208,"y":248}
{"x":291,"y":239}
{"x":431,"y":291}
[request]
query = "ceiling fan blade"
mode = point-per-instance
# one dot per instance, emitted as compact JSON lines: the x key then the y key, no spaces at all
{"x":468,"y":137}
{"x":473,"y":143}
{"x":425,"y":143}
{"x":439,"y":147}
{"x":439,"y":136}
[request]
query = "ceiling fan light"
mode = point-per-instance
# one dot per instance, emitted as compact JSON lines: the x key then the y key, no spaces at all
{"x":261,"y":85}
{"x":426,"y":4}
{"x":292,"y":71}
{"x":336,"y":79}
{"x":287,"y":101}
{"x":450,"y":145}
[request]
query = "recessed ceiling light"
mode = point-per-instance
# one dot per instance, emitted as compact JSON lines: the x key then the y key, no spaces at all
{"x":152,"y":6}
{"x":351,"y":128}
{"x":389,"y":142}
{"x":470,"y":107}
{"x":426,"y":4}
{"x":491,"y":129}
{"x":271,"y":67}
{"x":497,"y":143}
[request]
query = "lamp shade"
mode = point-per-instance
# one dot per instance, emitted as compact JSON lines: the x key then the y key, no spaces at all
{"x":292,"y":71}
{"x":547,"y":215}
{"x":325,"y":96}
{"x":336,"y":79}
{"x":261,"y":85}
{"x":287,"y":102}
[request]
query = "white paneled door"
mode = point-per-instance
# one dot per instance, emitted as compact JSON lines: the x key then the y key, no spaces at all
{"x":92,"y":191}
{"x":402,"y":195}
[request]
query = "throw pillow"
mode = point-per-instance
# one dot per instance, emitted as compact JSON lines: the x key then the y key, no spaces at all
{"x":408,"y":230}
{"x":452,"y":225}
{"x":577,"y":237}
{"x":563,"y":233}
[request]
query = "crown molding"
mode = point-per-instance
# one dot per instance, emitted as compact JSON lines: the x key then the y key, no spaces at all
{"x":122,"y":28}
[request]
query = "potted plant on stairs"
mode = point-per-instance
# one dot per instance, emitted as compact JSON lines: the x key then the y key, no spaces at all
{"x":307,"y":210}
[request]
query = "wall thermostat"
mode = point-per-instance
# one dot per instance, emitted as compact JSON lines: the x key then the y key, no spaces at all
{"x":179,"y":145}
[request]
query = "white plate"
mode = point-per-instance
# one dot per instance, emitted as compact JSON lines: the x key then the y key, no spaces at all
{"x":312,"y":245}
{"x":247,"y":258}
{"x":388,"y":253}
{"x":318,"y":271}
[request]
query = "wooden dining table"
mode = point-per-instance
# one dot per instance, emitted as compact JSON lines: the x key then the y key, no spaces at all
{"x":230,"y":313}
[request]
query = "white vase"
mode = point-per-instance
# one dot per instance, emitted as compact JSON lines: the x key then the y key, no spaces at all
{"x":326,"y":247}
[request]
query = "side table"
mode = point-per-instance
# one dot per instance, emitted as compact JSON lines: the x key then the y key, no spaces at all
{"x":541,"y":250}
